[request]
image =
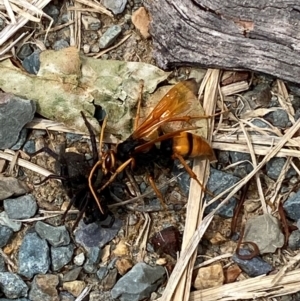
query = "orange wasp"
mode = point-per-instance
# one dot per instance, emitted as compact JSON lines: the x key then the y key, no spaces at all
{"x":140,"y":148}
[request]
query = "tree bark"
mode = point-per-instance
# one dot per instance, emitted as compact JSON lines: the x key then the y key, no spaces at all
{"x":258,"y":35}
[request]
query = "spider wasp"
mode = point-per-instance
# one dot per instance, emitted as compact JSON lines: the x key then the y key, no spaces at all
{"x":140,"y":148}
{"x":73,"y":173}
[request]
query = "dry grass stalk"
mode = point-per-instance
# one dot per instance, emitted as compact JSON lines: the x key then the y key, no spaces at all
{"x":271,"y":153}
{"x":258,"y":149}
{"x":278,"y":184}
{"x":45,"y":124}
{"x":26,"y":164}
{"x":251,"y":289}
{"x":284,"y":100}
{"x":254,"y":162}
{"x":212,"y":260}
{"x":25,"y":11}
{"x":235,"y":88}
{"x":194,"y":215}
{"x":184,"y":258}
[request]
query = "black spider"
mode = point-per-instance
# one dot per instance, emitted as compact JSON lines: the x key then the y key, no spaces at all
{"x":73,"y":172}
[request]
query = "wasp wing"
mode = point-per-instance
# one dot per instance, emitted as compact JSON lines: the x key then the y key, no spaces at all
{"x":173,"y":104}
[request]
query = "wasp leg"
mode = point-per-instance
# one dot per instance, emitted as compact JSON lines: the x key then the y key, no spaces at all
{"x":118,"y":171}
{"x":92,"y":188}
{"x":138,"y":111}
{"x":96,"y":164}
{"x":191,"y":173}
{"x":157,"y":192}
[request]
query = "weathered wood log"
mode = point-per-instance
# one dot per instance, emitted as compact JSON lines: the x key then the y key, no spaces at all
{"x":258,"y":35}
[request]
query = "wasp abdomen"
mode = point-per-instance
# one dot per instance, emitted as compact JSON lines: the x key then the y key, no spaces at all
{"x":189,"y":145}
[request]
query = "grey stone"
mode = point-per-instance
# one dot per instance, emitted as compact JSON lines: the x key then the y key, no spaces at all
{"x":138,"y":283}
{"x":29,"y":147}
{"x":243,"y":169}
{"x":12,"y":285}
{"x":33,"y":256}
{"x":253,"y":267}
{"x":110,"y":36}
{"x":93,"y":260}
{"x":292,"y":206}
{"x":25,"y":51}
{"x":274,"y":167}
{"x":218,"y":182}
{"x":65,"y":296}
{"x":15,"y":112}
{"x":52,"y":11}
{"x":60,"y":256}
{"x":43,"y":287}
{"x":79,"y":259}
{"x":2,"y":265}
{"x":259,"y":123}
{"x":60,"y":44}
{"x":10,"y":186}
{"x":91,"y":23}
{"x":6,"y":221}
{"x":279,"y":118}
{"x":93,"y":235}
{"x":102,"y":273}
{"x":32,"y":63}
{"x":72,"y":274}
{"x":56,"y":236}
{"x":294,"y":240}
{"x":22,"y":207}
{"x":5,"y":235}
{"x":264,"y":230}
{"x":21,"y":140}
{"x":116,"y":6}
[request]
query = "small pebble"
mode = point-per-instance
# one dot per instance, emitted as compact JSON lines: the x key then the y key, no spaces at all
{"x":95,"y":48}
{"x":79,"y":259}
{"x":24,"y":51}
{"x":43,"y":287}
{"x":218,"y":182}
{"x":274,"y":167}
{"x":86,"y":48}
{"x":139,"y":282}
{"x":32,"y":62}
{"x":91,"y":23}
{"x":265,"y":231}
{"x":93,"y":260}
{"x":20,"y":208}
{"x":56,"y":236}
{"x":60,"y":256}
{"x":110,"y":36}
{"x":10,"y":186}
{"x":72,"y":274}
{"x":102,"y":273}
{"x":294,"y":240}
{"x":60,"y":44}
{"x":254,"y":267}
{"x":210,"y":276}
{"x":74,"y":287}
{"x":116,"y":6}
{"x":141,"y":21}
{"x":33,"y":256}
{"x":292,"y":206}
{"x":12,"y":285}
{"x":5,"y":235}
